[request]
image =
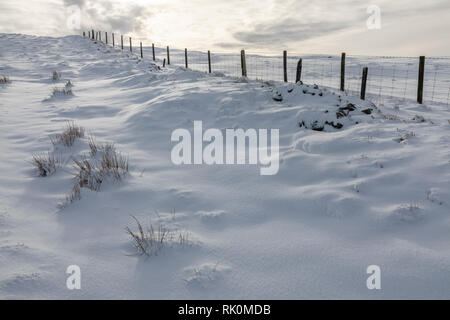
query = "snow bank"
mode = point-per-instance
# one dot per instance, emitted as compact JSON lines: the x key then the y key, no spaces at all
{"x":358,"y":185}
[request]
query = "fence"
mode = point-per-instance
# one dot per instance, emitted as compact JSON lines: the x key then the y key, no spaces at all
{"x":388,"y":78}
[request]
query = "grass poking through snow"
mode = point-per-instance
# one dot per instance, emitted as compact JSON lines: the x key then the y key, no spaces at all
{"x":69,"y":135}
{"x":62,"y":92}
{"x":149,"y":241}
{"x":4,"y":79}
{"x":91,"y":173}
{"x":46,"y":163}
{"x":56,"y":75}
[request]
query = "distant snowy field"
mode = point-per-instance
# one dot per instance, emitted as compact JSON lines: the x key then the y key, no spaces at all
{"x":376,"y":192}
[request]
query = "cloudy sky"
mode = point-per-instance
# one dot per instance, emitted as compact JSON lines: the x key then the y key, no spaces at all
{"x":408,"y":27}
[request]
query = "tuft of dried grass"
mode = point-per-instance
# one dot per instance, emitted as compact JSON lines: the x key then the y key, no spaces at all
{"x":88,"y":175}
{"x":46,"y":163}
{"x":4,"y":79}
{"x":91,"y":173}
{"x":150,"y":241}
{"x":68,"y":84}
{"x":75,"y":195}
{"x":69,"y":135}
{"x":66,"y":91}
{"x":113,"y":163}
{"x":405,"y":137}
{"x":56,"y":75}
{"x":95,"y":147}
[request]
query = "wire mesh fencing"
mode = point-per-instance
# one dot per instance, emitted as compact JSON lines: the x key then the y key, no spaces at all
{"x":389,"y":78}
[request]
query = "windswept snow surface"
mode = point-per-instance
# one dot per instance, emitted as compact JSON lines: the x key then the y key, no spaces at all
{"x":376,"y":192}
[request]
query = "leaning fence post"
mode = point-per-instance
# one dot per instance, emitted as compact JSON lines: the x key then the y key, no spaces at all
{"x":299,"y":71}
{"x":142,"y":55}
{"x":106,"y":37}
{"x":343,"y":71}
{"x":209,"y":61}
{"x":168,"y":56}
{"x":285,"y":66}
{"x":164,"y":62}
{"x":113,"y":38}
{"x":243,"y":64}
{"x":364,"y":83}
{"x":131,"y":47}
{"x":153,"y":51}
{"x":421,"y":78}
{"x":121,"y":40}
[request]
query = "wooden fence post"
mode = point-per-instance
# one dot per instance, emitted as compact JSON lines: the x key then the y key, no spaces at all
{"x":243,"y":64}
{"x":298,"y":75}
{"x":113,"y":38}
{"x":106,"y":37}
{"x":285,"y":66}
{"x":100,"y":36}
{"x":343,"y":71}
{"x":84,"y":34}
{"x":186,"y":57}
{"x":421,"y":79}
{"x":92,"y":34}
{"x":153,"y":51}
{"x":121,"y":40}
{"x":209,"y":61}
{"x":364,"y":83}
{"x":142,"y":55}
{"x":131,"y":47}
{"x":164,"y":62}
{"x":168,"y":56}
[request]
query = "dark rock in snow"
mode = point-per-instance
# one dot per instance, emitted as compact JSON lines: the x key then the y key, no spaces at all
{"x":344,"y":111}
{"x":338,"y":125}
{"x":277,"y":96}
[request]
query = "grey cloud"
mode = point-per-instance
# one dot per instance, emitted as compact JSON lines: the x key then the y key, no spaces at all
{"x":288,"y":31}
{"x":79,"y":3}
{"x":406,"y":8}
{"x":106,"y":15}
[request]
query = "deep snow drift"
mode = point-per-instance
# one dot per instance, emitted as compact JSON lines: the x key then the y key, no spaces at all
{"x":374,"y":192}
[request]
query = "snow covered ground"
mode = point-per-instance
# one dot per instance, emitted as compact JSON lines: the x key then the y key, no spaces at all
{"x":375,"y":192}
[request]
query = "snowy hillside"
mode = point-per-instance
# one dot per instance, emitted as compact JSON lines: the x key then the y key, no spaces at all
{"x":358,"y":184}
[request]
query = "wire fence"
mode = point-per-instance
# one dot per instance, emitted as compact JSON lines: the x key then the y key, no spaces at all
{"x":389,"y":78}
